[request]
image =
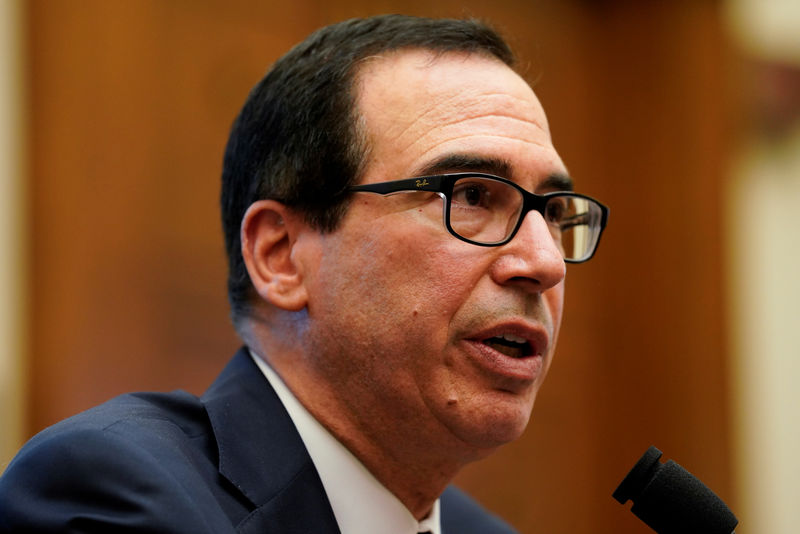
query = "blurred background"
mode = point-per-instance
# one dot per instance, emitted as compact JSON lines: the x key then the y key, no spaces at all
{"x":683,"y":332}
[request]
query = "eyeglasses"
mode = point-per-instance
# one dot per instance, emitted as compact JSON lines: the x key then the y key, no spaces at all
{"x":487,"y":210}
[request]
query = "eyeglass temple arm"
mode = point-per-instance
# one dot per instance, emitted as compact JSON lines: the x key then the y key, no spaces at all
{"x":423,"y":183}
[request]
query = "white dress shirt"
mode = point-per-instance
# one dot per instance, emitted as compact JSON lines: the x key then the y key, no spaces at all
{"x":360,"y":503}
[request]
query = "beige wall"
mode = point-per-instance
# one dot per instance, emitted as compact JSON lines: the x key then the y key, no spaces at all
{"x":763,"y":235}
{"x":12,"y":232}
{"x":765,"y":333}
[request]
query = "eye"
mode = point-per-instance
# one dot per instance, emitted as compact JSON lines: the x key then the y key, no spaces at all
{"x":555,"y":210}
{"x":471,"y":194}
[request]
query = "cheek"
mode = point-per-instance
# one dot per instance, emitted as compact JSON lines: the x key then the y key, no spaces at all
{"x":555,"y":302}
{"x":401,"y":270}
{"x":411,"y":290}
{"x":436,"y":278}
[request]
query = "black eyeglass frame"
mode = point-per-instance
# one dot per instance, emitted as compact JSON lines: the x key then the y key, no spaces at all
{"x":442,"y":184}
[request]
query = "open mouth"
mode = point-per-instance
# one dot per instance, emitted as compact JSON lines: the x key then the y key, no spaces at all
{"x":510,"y":345}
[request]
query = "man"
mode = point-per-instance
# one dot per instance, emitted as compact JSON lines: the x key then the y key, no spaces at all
{"x":397,"y":222}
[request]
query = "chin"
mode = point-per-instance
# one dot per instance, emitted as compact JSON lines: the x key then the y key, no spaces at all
{"x":491,"y":426}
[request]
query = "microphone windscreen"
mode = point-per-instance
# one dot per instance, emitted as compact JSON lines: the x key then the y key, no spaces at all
{"x":670,"y":500}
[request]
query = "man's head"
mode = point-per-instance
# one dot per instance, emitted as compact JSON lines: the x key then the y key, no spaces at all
{"x":298,"y":137}
{"x":398,"y":322}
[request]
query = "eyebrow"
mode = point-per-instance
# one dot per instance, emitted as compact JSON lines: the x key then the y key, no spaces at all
{"x":496,"y":166}
{"x":466,"y":163}
{"x":557,"y":182}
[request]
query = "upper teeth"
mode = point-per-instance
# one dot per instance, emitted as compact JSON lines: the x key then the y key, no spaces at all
{"x":514,"y":339}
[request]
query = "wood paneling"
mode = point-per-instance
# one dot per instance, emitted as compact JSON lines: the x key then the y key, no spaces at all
{"x":130,"y":107}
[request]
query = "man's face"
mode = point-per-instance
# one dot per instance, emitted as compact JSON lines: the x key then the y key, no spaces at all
{"x":406,"y":321}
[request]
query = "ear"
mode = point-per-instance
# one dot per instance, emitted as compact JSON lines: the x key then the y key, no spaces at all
{"x":268,"y":235}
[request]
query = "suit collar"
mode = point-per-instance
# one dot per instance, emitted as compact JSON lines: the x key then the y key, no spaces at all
{"x":261,"y":453}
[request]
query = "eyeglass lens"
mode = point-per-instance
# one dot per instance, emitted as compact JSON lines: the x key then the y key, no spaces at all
{"x":487,"y":211}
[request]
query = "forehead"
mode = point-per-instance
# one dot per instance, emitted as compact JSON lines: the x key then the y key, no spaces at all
{"x":417,"y":108}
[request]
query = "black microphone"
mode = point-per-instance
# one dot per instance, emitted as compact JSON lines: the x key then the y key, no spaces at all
{"x":670,"y":500}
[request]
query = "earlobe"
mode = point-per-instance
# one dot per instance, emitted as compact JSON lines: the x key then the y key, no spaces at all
{"x":268,"y":237}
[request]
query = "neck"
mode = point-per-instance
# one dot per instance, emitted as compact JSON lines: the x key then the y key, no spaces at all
{"x":415,"y":476}
{"x":411,"y":454}
{"x":413,"y":462}
{"x":415,"y":469}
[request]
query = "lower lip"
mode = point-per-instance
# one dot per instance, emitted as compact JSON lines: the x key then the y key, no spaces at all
{"x":496,"y":363}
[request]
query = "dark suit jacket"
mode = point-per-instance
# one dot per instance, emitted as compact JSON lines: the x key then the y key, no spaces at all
{"x":229,"y":461}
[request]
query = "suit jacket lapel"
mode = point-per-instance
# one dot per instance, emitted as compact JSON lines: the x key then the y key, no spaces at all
{"x":261,"y":453}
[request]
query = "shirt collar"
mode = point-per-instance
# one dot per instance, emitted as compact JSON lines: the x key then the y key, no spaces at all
{"x":360,"y":503}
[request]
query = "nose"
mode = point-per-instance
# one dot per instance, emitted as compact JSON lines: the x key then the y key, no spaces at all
{"x":531,"y":259}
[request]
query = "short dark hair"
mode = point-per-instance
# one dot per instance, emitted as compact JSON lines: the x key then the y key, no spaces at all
{"x":296,"y":139}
